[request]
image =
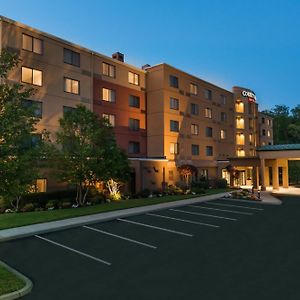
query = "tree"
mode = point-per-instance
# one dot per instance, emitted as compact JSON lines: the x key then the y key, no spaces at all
{"x":187,"y":171}
{"x":20,"y":147}
{"x":88,"y":153}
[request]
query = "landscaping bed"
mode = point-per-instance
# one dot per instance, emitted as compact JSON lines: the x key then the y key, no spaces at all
{"x":10,"y":220}
{"x":9,"y":282}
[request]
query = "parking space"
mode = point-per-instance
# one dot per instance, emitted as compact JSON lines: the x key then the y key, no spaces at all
{"x":156,"y":255}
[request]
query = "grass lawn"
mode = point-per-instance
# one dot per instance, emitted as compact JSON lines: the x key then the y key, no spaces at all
{"x":9,"y":282}
{"x":20,"y":219}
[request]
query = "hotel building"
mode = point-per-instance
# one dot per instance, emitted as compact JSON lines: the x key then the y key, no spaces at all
{"x":163,"y":117}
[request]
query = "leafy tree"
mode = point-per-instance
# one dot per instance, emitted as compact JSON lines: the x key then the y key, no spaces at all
{"x":88,"y":153}
{"x":186,"y":172}
{"x":19,"y":156}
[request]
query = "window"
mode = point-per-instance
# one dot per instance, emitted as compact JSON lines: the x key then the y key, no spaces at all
{"x":173,"y":81}
{"x":263,"y":132}
{"x":208,"y":94}
{"x":194,"y":109}
{"x":41,"y":185}
{"x":174,"y":103}
{"x":240,"y":124}
{"x":108,"y":70}
{"x":71,"y":57}
{"x":223,"y":134}
{"x":32,"y":141}
{"x":134,"y":147}
{"x":174,"y":148}
{"x":250,"y":138}
{"x":240,"y":152}
{"x":194,"y":129}
{"x":133,"y":78}
{"x":108,"y":95}
{"x":36,"y":106}
{"x":174,"y":126}
{"x":68,"y":109}
{"x":251,"y":123}
{"x":263,"y":120}
{"x":208,"y":132}
{"x":32,"y":76}
{"x":208,"y":113}
{"x":32,"y":44}
{"x":223,"y":99}
{"x":204,"y":173}
{"x":134,"y":101}
{"x":193,"y":89}
{"x":134,"y":124}
{"x":239,"y":107}
{"x":223,"y":116}
{"x":209,"y":151}
{"x":240,"y":139}
{"x":71,"y":86}
{"x":268,"y":133}
{"x":269,"y":122}
{"x":195,"y":149}
{"x":110,"y":118}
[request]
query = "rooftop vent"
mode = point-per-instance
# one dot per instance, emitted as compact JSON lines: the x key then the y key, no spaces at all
{"x":118,"y":56}
{"x":146,"y":66}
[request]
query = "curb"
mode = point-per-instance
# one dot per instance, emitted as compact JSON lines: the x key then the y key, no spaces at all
{"x":30,"y":230}
{"x":21,"y":292}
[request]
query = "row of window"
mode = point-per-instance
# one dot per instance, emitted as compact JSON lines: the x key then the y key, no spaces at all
{"x":71,"y":57}
{"x":195,"y":149}
{"x":269,"y":122}
{"x":194,"y":90}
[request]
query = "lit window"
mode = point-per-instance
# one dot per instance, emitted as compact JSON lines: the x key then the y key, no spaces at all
{"x":194,"y":109}
{"x":240,"y":139}
{"x":240,"y":124}
{"x":208,"y":94}
{"x":209,"y":151}
{"x":173,"y":81}
{"x":134,"y":124}
{"x":269,"y":122}
{"x":108,"y":70}
{"x":208,"y":113}
{"x":41,"y":185}
{"x":110,"y":119}
{"x":32,"y":44}
{"x":193,"y":89}
{"x":268,"y":133}
{"x":133,"y":78}
{"x":134,"y":147}
{"x":195,"y":150}
{"x":174,"y":126}
{"x":71,"y":86}
{"x":223,"y":134}
{"x":134,"y":101}
{"x":174,"y":103}
{"x":194,"y":129}
{"x":239,"y":107}
{"x":240,"y":152}
{"x":208,"y":132}
{"x":32,"y":76}
{"x":71,"y":57}
{"x":174,"y":148}
{"x":108,"y":95}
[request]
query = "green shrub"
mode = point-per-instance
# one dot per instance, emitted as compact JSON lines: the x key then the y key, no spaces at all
{"x":221,"y":183}
{"x":66,"y":204}
{"x":198,"y":190}
{"x":28,"y":207}
{"x":203,"y":184}
{"x":52,"y":204}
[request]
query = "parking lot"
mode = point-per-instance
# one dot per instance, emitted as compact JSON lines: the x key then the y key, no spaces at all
{"x":222,"y":249}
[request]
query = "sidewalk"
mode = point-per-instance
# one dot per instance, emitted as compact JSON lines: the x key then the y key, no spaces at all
{"x":29,"y":230}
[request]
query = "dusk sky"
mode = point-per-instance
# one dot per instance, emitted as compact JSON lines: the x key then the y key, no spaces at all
{"x":254,"y":44}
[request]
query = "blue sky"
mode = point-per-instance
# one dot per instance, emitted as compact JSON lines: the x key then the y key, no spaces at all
{"x":255,"y":44}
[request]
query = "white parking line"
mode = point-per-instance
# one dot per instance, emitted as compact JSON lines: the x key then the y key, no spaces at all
{"x":155,"y":227}
{"x":120,"y":237}
{"x":204,"y":215}
{"x":74,"y":250}
{"x":183,"y":220}
{"x":240,"y":200}
{"x":224,"y":210}
{"x":231,"y":205}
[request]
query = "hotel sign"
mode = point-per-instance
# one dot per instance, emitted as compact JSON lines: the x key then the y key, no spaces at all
{"x":251,"y":96}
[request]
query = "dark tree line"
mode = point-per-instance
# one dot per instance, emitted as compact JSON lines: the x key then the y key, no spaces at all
{"x":286,"y":124}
